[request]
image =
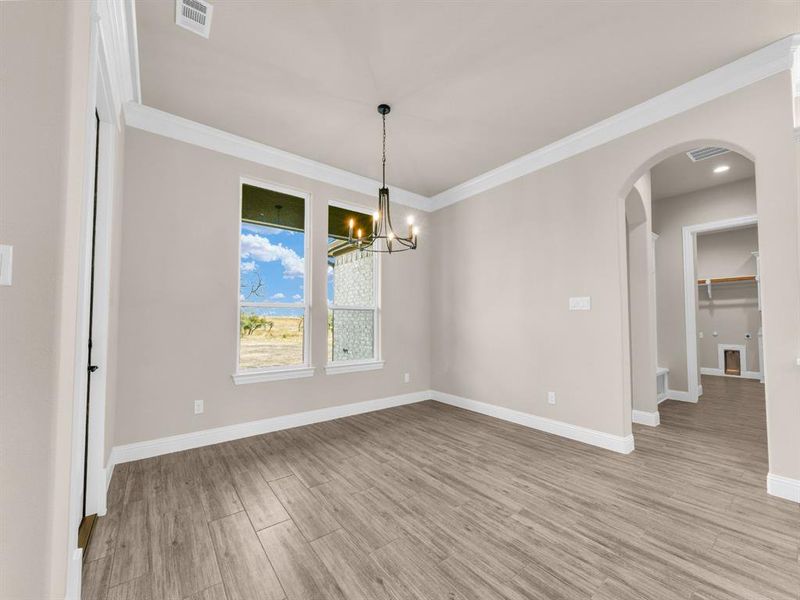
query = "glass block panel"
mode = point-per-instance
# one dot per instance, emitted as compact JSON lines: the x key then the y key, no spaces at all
{"x":351,"y":279}
{"x":351,"y":334}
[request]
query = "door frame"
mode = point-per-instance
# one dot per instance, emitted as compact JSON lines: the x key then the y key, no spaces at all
{"x":101,"y":98}
{"x":690,"y":233}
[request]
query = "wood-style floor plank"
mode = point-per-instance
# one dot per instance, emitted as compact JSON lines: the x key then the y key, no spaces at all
{"x":135,"y":589}
{"x":299,"y":569}
{"x":246,"y":571}
{"x":358,"y":576}
{"x":96,"y":575}
{"x":132,"y":553}
{"x":216,"y":592}
{"x":310,"y":513}
{"x":431,"y":502}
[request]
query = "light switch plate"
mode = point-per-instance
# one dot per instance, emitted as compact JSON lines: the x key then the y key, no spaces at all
{"x":580,"y":303}
{"x":5,"y":264}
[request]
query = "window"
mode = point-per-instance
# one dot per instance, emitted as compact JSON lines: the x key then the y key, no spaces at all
{"x":353,"y":286}
{"x":273,"y":300}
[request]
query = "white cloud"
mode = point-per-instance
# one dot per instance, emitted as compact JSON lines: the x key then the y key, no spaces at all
{"x":248,"y":266}
{"x":277,"y":296}
{"x":297,"y":297}
{"x":261,"y":249}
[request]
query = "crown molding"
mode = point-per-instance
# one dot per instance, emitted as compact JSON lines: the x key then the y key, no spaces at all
{"x":779,"y":56}
{"x":770,"y":60}
{"x":172,"y":126}
{"x":116,"y":24}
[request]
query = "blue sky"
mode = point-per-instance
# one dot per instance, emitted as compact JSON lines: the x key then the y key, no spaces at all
{"x":277,"y":256}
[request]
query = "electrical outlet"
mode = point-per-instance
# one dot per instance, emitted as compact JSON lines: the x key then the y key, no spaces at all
{"x":198,"y":407}
{"x":700,"y":334}
{"x":580,"y":303}
{"x":407,"y":378}
{"x":5,"y":264}
{"x":551,"y":397}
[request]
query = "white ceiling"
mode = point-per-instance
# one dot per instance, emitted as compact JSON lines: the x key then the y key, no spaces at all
{"x":678,"y":175}
{"x":472,"y":85}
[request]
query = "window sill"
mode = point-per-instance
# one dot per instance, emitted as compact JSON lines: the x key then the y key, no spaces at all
{"x":353,"y":367}
{"x":272,"y":375}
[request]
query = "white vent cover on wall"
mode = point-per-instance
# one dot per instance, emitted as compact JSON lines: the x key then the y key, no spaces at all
{"x":707,"y":152}
{"x":194,"y":15}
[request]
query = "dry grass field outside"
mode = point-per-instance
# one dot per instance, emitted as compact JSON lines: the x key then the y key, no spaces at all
{"x":282,"y":345}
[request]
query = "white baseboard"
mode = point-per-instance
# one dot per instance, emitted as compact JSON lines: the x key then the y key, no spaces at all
{"x":783,"y":487}
{"x":653,"y":419}
{"x":601,"y":439}
{"x":74,"y":575}
{"x":679,"y":395}
{"x":196,"y":439}
{"x":721,"y":373}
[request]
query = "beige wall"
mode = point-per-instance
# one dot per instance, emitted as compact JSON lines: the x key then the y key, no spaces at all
{"x":44,"y":59}
{"x":32,"y":135}
{"x":670,"y":215}
{"x":178,"y":326}
{"x":732,"y":311}
{"x":501,"y":329}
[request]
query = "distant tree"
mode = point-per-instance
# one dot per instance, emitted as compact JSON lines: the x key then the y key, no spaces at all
{"x":250,"y":323}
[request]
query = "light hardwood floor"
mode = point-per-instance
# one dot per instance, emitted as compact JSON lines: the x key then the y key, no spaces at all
{"x":431,"y":502}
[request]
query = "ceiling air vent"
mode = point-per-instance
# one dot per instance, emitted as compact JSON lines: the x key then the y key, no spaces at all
{"x":194,"y":15}
{"x":707,"y":152}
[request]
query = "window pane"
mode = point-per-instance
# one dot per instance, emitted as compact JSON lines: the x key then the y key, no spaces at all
{"x":350,"y":272}
{"x":351,"y":334}
{"x":270,"y":337}
{"x":272,"y":265}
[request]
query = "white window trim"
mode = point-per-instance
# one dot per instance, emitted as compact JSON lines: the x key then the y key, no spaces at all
{"x":276,"y":373}
{"x":272,"y":374}
{"x":335,"y":367}
{"x":353,"y":366}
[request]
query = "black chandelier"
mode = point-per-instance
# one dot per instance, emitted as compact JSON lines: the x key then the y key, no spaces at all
{"x":382,"y":238}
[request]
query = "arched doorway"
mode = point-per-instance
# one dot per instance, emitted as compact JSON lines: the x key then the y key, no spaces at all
{"x":698,"y":190}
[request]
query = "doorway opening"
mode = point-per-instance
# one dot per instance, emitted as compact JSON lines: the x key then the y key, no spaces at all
{"x":693,"y":276}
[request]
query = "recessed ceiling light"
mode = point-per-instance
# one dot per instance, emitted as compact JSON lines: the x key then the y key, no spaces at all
{"x":722,"y":168}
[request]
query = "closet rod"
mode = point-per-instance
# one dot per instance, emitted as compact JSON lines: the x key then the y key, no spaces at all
{"x":726,"y":279}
